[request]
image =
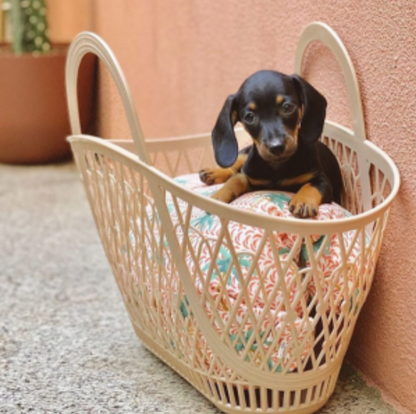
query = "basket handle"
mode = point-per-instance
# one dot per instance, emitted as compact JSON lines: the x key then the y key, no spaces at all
{"x":88,"y":42}
{"x":318,"y":31}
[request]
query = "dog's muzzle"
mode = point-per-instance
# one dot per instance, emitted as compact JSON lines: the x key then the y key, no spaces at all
{"x":279,"y":148}
{"x":276,"y":148}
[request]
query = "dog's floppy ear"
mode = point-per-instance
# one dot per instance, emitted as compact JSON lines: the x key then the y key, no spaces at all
{"x":223,"y":136}
{"x":314,"y":111}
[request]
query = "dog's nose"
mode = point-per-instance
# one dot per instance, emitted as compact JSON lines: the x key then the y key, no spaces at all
{"x":277,"y":148}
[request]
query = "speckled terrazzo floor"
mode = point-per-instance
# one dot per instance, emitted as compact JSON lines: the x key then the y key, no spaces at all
{"x":66,"y":344}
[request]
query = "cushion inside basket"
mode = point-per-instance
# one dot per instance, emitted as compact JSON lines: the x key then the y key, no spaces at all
{"x":276,"y":204}
{"x":246,"y":302}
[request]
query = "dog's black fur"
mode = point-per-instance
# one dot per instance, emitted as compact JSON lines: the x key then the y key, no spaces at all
{"x":284,"y":116}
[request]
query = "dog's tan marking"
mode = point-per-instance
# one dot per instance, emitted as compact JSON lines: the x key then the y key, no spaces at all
{"x":212,"y":176}
{"x":256,"y":140}
{"x":234,"y":117}
{"x":298,"y":124}
{"x":279,"y":99}
{"x":258,"y":183}
{"x":300,"y":179}
{"x":305,"y":203}
{"x":300,"y":115}
{"x":294,"y":133}
{"x":252,"y":106}
{"x":237,"y":185}
{"x":241,"y":160}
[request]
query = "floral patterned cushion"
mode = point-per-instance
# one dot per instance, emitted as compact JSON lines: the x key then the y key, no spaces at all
{"x":273,"y":203}
{"x":261,"y":298}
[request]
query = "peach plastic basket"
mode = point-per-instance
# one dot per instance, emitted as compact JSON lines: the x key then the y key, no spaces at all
{"x":289,"y":359}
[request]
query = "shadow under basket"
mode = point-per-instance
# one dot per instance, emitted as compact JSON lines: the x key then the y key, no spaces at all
{"x":260,"y":323}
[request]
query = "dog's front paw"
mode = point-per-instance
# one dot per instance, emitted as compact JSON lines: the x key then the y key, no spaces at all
{"x":224,"y":194}
{"x":303,"y":207}
{"x":211,"y":176}
{"x":305,"y":203}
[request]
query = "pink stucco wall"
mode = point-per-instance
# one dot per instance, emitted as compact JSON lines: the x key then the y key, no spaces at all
{"x":183,"y":57}
{"x":67,"y":18}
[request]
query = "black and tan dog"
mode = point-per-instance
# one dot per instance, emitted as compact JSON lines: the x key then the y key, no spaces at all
{"x":285,"y":116}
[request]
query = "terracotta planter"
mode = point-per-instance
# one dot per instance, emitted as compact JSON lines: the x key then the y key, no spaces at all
{"x":34,"y":120}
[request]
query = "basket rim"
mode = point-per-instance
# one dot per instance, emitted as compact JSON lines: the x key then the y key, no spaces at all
{"x":302,"y":226}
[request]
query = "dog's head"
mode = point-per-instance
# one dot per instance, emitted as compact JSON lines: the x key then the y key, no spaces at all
{"x":277,"y":110}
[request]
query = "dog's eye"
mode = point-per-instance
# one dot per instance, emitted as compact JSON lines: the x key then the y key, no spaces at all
{"x":250,"y":118}
{"x":288,"y":108}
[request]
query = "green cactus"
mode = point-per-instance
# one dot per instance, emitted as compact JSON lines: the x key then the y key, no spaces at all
{"x":29,"y":26}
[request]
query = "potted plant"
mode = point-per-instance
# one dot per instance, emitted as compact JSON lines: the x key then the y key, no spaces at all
{"x":33,"y":115}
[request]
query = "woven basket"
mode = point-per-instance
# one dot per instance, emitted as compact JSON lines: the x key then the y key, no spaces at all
{"x":289,"y":358}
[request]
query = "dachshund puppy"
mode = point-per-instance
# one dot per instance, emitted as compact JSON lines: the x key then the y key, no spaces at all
{"x":284,"y":116}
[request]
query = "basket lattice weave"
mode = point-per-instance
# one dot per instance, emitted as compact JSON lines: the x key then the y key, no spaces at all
{"x":300,"y":326}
